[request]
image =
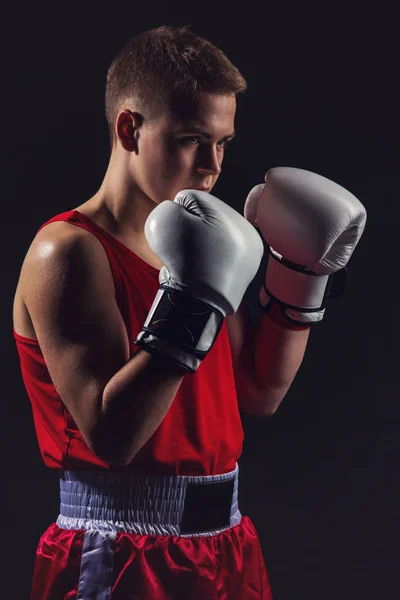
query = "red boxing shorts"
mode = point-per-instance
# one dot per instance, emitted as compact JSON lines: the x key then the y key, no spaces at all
{"x":136,"y":537}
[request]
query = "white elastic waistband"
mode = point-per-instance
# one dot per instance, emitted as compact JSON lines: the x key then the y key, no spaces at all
{"x":178,"y":505}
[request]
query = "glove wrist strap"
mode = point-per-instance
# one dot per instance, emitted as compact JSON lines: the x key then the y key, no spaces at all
{"x":293,"y":285}
{"x":302,"y":305}
{"x":288,"y":318}
{"x":180,"y":327}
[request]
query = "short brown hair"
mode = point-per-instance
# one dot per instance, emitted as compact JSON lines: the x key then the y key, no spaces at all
{"x":160,"y":65}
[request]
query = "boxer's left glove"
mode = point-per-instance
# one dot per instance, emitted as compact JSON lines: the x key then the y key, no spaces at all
{"x":210,"y":255}
{"x":312,"y":226}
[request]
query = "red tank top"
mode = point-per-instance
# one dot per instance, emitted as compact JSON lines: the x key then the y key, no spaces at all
{"x":201,"y":433}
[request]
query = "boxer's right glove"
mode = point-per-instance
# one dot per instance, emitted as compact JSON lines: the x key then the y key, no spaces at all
{"x":211,"y":254}
{"x":312,"y":226}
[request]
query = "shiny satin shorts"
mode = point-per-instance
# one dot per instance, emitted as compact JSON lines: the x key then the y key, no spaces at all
{"x":121,"y":536}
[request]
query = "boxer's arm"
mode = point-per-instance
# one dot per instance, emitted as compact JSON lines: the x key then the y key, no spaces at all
{"x":265,"y":361}
{"x":117,"y":401}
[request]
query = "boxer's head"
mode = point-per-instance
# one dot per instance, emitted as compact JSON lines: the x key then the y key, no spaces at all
{"x":170,"y":107}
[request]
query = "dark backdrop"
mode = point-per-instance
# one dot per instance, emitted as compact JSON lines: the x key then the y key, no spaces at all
{"x":319,"y":478}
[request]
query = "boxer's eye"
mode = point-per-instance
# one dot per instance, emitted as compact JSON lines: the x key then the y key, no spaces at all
{"x":192,"y":140}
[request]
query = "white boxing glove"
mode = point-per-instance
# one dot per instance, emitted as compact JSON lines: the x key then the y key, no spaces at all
{"x":210,"y":254}
{"x":312,"y":226}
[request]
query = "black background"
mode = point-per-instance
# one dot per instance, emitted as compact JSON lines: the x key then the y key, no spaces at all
{"x":319,"y":478}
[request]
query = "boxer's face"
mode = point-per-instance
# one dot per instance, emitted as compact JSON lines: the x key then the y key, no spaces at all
{"x":185,"y":149}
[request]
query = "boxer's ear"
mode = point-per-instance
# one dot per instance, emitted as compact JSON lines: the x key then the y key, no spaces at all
{"x":127,"y":127}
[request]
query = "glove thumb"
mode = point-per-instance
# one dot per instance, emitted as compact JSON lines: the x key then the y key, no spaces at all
{"x":251,"y":204}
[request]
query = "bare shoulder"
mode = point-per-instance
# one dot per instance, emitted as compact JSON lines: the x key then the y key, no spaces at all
{"x":54,"y":246}
{"x":59,"y":234}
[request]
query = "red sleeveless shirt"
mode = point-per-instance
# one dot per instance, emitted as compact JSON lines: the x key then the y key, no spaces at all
{"x":201,"y":433}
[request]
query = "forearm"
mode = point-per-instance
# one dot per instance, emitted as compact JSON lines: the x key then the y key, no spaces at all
{"x":278,"y":353}
{"x":135,"y":402}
